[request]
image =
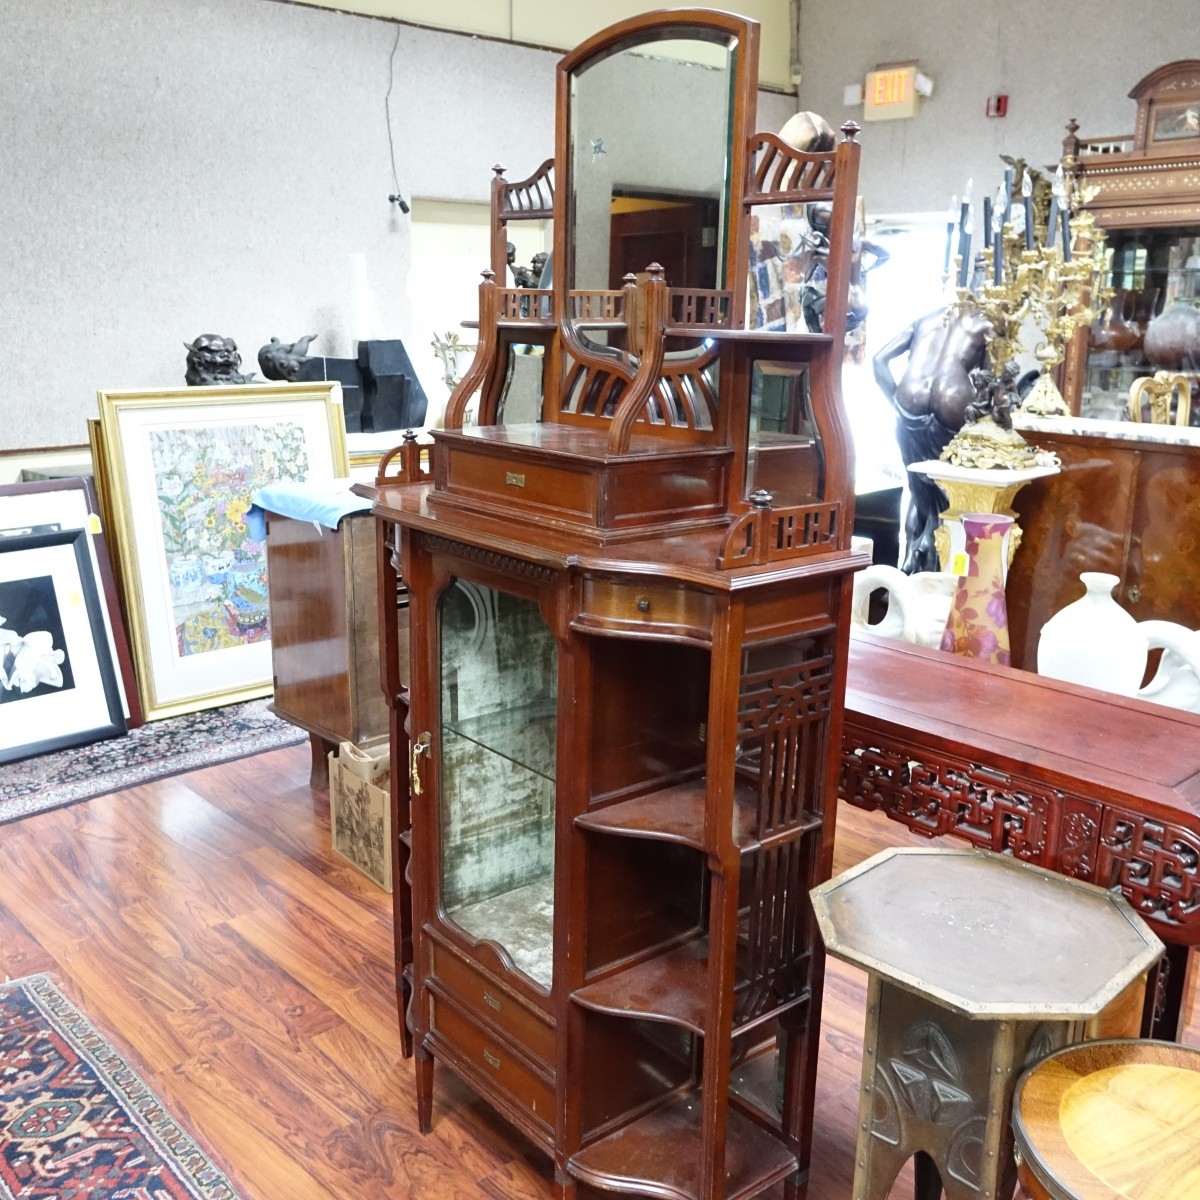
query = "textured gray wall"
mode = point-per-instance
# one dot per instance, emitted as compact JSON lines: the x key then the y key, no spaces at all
{"x":169,"y":168}
{"x":1056,"y":59}
{"x":173,"y":167}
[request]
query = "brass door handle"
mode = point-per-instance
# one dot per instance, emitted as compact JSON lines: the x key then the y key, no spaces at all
{"x":419,"y":747}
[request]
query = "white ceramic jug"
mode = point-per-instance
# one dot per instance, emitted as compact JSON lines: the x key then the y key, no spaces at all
{"x":917,"y":604}
{"x":1177,"y":680}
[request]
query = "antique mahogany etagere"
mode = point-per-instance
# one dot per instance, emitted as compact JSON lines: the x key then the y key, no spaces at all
{"x":629,"y":622}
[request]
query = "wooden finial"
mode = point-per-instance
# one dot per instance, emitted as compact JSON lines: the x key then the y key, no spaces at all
{"x":761,"y":498}
{"x":851,"y":129}
{"x":629,"y":279}
{"x":488,"y":274}
{"x":656,"y":272}
{"x":499,"y":169}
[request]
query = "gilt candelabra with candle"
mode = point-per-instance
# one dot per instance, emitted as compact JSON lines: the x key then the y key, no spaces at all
{"x":1048,"y":285}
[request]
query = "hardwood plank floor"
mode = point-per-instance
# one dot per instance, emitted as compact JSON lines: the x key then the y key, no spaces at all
{"x":204,"y":925}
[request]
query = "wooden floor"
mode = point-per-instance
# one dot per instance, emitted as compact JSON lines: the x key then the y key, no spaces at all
{"x":204,"y":926}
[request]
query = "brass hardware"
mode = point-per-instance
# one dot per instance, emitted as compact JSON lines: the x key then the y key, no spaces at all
{"x":511,"y":477}
{"x":491,"y":1060}
{"x":491,"y":1001}
{"x":1133,"y":593}
{"x":419,"y":747}
{"x":643,"y":604}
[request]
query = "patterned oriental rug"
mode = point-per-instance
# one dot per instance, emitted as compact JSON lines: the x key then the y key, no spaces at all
{"x":76,"y":1121}
{"x":153,"y":751}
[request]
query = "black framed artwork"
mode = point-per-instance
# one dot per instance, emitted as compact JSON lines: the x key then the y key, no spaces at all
{"x":58,"y":685}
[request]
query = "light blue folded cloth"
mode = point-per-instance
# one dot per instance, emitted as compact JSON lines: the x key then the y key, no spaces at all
{"x":324,"y":503}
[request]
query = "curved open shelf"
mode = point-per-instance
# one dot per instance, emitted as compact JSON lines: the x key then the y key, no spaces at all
{"x":671,"y":987}
{"x":659,"y":1155}
{"x":674,"y":814}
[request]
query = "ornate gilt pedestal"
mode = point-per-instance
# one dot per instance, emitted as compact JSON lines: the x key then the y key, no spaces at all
{"x":975,"y":490}
{"x":979,"y":966}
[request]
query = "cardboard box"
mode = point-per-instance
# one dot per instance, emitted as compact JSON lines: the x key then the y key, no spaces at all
{"x":360,"y":810}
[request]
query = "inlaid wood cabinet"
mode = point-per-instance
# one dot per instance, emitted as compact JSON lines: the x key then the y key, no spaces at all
{"x":1143,"y":190}
{"x":628,"y":664}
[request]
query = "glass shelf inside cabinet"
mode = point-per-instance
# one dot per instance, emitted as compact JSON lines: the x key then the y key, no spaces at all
{"x":499,"y":668}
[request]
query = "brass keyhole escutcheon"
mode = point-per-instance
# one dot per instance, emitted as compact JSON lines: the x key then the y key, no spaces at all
{"x":419,"y":747}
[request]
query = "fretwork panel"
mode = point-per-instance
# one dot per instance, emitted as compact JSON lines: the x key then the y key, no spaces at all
{"x":782,"y":733}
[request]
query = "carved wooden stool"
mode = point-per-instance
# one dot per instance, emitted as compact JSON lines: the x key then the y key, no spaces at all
{"x":1115,"y":1120}
{"x":979,"y":966}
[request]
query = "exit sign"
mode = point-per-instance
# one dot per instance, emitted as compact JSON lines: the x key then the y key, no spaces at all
{"x":889,"y":93}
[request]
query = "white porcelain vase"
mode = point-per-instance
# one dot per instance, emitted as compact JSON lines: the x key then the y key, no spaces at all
{"x":1094,"y":641}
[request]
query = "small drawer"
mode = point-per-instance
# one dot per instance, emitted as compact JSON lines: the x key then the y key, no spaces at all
{"x":567,"y":494}
{"x":493,"y":1062}
{"x":614,"y":603}
{"x":494,"y":1005}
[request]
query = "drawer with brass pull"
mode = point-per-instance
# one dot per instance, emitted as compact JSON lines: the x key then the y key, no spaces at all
{"x":492,"y":1062}
{"x":611,"y":603}
{"x":486,"y":1000}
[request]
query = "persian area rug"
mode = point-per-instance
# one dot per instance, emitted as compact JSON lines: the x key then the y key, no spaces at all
{"x":152,"y":751}
{"x":76,"y":1121}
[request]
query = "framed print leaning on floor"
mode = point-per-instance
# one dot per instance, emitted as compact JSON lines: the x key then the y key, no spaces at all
{"x":72,"y":503}
{"x":179,"y":468}
{"x":58,"y":687}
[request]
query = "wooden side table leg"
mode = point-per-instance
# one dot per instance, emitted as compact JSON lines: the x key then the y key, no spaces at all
{"x":318,"y":775}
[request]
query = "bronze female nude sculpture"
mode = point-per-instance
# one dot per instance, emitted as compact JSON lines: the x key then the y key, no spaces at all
{"x":931,"y":401}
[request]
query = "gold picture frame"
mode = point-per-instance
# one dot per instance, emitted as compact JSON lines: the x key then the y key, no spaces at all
{"x":177,"y":470}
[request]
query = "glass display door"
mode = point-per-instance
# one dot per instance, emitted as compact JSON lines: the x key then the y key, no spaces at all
{"x":499,"y":689}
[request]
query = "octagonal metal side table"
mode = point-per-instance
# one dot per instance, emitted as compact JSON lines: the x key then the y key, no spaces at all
{"x":979,"y":965}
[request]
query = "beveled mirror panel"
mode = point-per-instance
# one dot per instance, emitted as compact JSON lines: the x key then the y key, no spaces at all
{"x":650,"y":149}
{"x":783,"y":449}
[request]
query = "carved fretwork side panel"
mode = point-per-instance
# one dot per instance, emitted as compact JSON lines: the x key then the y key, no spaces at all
{"x":1155,"y":864}
{"x":951,"y":797}
{"x":783,"y":721}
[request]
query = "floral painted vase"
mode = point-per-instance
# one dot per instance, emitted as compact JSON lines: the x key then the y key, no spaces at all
{"x":978,"y":622}
{"x":1094,"y":641}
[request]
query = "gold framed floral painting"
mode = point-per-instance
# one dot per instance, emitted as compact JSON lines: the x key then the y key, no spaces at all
{"x":180,"y":468}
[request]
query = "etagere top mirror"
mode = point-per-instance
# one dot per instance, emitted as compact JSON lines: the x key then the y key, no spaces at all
{"x":637,"y":349}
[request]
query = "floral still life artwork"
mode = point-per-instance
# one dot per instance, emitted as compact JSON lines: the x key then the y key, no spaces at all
{"x":217,"y":571}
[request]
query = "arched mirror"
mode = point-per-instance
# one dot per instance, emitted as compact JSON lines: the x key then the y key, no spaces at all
{"x":651,"y":130}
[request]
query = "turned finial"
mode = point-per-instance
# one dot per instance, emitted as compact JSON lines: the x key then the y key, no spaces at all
{"x":410,"y":435}
{"x":851,"y":129}
{"x":488,"y":274}
{"x":657,"y":272}
{"x":499,"y":170}
{"x":629,"y":279}
{"x":760,"y":498}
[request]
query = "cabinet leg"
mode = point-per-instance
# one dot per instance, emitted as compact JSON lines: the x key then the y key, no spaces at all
{"x":795,"y":1186}
{"x":423,"y":1061}
{"x":318,"y":773}
{"x":1168,"y":994}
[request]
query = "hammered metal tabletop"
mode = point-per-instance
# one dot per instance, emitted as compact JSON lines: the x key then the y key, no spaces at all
{"x":985,"y":934}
